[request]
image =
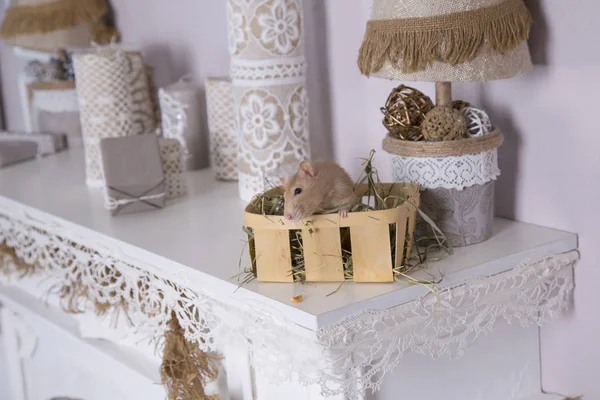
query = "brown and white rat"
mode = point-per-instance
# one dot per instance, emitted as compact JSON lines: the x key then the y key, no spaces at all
{"x":317,"y":187}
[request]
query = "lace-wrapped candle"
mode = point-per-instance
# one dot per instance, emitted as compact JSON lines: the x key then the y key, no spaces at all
{"x":266,"y":44}
{"x":171,"y":156}
{"x":180,"y":118}
{"x":221,"y":125}
{"x":113,"y":89}
{"x":105,"y":103}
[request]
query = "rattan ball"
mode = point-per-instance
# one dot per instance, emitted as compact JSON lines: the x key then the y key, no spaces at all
{"x":444,"y":123}
{"x":460,"y":104}
{"x":405,"y":111}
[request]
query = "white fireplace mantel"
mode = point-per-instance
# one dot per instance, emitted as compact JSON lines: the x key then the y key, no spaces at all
{"x":365,"y":336}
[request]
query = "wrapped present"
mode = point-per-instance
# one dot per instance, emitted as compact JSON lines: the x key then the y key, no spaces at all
{"x":133,"y":173}
{"x":172,"y":159}
{"x":12,"y":152}
{"x":47,"y":143}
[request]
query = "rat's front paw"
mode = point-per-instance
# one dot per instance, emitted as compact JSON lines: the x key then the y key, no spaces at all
{"x":343,"y":213}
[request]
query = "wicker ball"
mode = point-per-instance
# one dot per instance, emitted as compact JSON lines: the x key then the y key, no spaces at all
{"x":444,"y":123}
{"x":405,"y":111}
{"x":478,"y":122}
{"x":460,"y":104}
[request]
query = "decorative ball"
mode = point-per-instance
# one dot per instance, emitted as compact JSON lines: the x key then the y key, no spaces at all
{"x":405,"y":111}
{"x":460,"y":104}
{"x":444,"y":123}
{"x":478,"y":122}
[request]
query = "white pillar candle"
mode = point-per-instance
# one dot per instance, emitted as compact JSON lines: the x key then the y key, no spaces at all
{"x":221,"y":126}
{"x":180,"y":118}
{"x":266,"y":44}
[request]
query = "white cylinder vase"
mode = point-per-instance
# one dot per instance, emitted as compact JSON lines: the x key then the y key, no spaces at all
{"x":180,"y":118}
{"x":266,"y":44}
{"x":457,"y":192}
{"x":222,"y":130}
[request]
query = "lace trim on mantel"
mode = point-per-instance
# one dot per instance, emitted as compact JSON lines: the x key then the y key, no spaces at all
{"x":346,"y":358}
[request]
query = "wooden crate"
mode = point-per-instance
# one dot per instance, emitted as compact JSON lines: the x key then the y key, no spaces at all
{"x":321,"y":241}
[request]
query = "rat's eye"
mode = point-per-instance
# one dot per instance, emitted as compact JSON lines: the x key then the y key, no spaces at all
{"x":297,"y":191}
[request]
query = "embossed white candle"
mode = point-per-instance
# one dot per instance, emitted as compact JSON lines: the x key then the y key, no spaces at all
{"x":180,"y":115}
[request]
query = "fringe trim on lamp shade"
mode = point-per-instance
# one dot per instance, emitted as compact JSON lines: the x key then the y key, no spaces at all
{"x":58,"y":15}
{"x":451,"y":38}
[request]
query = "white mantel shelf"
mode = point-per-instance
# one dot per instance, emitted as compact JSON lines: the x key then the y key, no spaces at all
{"x":202,"y":232}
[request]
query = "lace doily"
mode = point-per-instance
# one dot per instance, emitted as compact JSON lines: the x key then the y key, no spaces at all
{"x":221,"y":126}
{"x":347,"y":358}
{"x":268,"y":74}
{"x":457,"y":172}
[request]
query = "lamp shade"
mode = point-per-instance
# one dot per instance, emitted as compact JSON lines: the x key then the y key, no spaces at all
{"x":49,"y":25}
{"x":446,"y":40}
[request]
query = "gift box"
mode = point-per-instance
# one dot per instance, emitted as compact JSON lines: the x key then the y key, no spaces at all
{"x":16,"y":151}
{"x":133,"y":173}
{"x":46,"y":143}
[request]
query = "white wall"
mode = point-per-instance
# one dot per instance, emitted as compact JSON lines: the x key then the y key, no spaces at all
{"x":549,"y":160}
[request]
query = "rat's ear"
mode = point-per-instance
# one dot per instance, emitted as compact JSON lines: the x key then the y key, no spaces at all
{"x":307,"y":169}
{"x":283,"y":180}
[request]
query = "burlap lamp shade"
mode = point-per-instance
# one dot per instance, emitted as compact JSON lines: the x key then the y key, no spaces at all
{"x":446,"y":40}
{"x":50,"y":25}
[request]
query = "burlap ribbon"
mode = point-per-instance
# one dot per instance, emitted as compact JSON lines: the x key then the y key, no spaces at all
{"x":448,"y":148}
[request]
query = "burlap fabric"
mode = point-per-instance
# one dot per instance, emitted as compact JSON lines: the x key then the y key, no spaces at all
{"x":443,"y":40}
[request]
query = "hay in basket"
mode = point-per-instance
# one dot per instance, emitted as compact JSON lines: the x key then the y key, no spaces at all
{"x":373,"y":244}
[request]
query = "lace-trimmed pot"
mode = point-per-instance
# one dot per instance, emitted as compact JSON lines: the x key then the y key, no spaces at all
{"x":457,"y":180}
{"x":373,"y":254}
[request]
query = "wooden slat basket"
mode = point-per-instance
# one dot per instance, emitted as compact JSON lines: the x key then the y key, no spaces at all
{"x":370,"y":237}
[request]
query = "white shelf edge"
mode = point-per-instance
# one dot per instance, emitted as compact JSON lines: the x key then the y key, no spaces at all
{"x":497,"y":266}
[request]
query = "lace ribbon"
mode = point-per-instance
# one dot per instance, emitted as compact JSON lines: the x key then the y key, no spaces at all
{"x":347,"y":358}
{"x":454,"y":172}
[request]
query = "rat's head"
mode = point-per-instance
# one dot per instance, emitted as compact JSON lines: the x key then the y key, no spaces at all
{"x":301,"y":197}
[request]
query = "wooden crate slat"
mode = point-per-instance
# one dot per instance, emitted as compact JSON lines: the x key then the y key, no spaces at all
{"x":400,"y":241}
{"x":273,"y":255}
{"x":323,"y":254}
{"x":371,"y":253}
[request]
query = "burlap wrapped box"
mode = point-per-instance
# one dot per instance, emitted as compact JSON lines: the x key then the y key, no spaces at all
{"x":457,"y":179}
{"x":133,"y":174}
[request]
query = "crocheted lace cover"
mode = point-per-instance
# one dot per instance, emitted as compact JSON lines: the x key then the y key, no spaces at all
{"x":456,"y":172}
{"x":268,"y":75}
{"x":222,"y":129}
{"x":347,"y":358}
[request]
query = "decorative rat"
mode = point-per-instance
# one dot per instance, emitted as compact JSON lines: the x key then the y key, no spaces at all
{"x":318,"y":187}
